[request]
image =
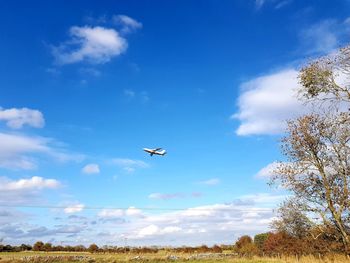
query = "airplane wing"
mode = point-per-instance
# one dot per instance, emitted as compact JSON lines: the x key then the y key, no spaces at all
{"x":157,"y":149}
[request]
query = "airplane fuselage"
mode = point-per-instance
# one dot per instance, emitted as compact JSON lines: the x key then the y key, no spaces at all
{"x":155,"y":151}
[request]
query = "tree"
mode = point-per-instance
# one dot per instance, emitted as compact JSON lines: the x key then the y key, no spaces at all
{"x":245,"y":246}
{"x":242,"y":241}
{"x":47,"y":247}
{"x":322,"y":79}
{"x":93,"y":248}
{"x":291,"y":220}
{"x":281,"y":243}
{"x":25,"y":247}
{"x":203,"y":249}
{"x":318,"y":168}
{"x":38,"y":246}
{"x":216,"y":249}
{"x":260,"y":239}
{"x":317,"y":146}
{"x":79,"y":248}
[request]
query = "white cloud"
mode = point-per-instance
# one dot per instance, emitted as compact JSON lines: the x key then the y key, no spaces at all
{"x":200,"y":211}
{"x":129,"y":24}
{"x":111,"y":213}
{"x":266,"y":102}
{"x":24,"y":191}
{"x":17,"y":118}
{"x":153,"y":230}
{"x":74,"y":208}
{"x":148,"y":231}
{"x":267,"y":171}
{"x":208,"y":224}
{"x":91,"y":168}
{"x":171,"y":229}
{"x":212,"y":181}
{"x":133,"y":211}
{"x":18,"y":151}
{"x":34,"y":183}
{"x":96,"y":45}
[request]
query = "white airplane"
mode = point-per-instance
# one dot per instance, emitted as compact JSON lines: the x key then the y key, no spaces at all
{"x":155,"y":151}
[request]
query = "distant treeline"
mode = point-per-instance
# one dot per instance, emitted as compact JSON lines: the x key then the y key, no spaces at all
{"x":264,"y":244}
{"x":93,"y":248}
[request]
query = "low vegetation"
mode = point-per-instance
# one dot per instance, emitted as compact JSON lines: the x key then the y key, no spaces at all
{"x":160,"y":256}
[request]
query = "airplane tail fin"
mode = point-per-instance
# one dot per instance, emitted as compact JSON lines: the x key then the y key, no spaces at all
{"x":162,"y":152}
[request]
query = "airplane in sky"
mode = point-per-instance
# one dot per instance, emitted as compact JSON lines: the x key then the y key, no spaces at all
{"x":157,"y":151}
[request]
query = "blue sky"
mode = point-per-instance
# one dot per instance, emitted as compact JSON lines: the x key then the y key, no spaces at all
{"x":86,"y":85}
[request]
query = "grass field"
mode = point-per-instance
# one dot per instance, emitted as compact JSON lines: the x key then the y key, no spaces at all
{"x":159,"y":257}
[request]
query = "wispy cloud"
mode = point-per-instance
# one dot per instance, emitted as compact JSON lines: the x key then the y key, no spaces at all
{"x":128,"y":165}
{"x":129,"y":93}
{"x":91,"y":168}
{"x":128,"y":24}
{"x":132,"y":94}
{"x":325,"y":36}
{"x":14,"y":150}
{"x":20,"y":151}
{"x":259,"y":3}
{"x":169,"y":196}
{"x":160,"y":196}
{"x":90,"y":71}
{"x":276,"y":3}
{"x":281,"y":4}
{"x":212,"y":181}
